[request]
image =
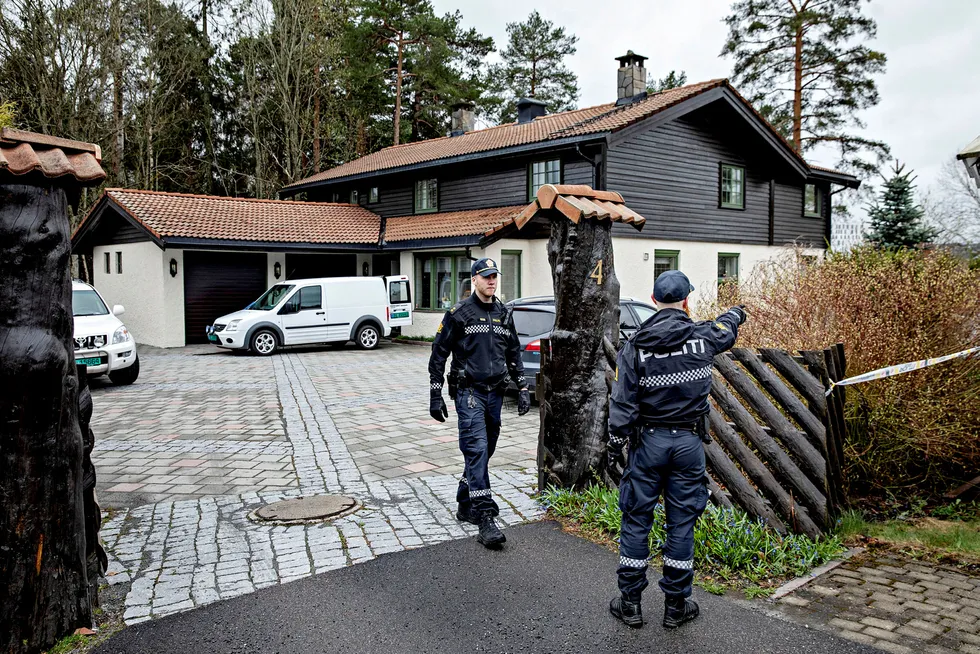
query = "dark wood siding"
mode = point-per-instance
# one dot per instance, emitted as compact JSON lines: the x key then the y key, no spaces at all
{"x":218,"y":283}
{"x":393,"y":200}
{"x":577,"y":172}
{"x":114,"y":229}
{"x":498,"y":188}
{"x":791,"y":225}
{"x":670,"y":175}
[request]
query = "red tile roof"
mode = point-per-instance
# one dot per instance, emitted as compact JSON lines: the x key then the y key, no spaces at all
{"x":450,"y":223}
{"x":591,"y":120}
{"x":23,"y":153}
{"x":241,"y":219}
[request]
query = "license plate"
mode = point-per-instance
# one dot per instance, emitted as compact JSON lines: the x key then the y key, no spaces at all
{"x":399,"y":314}
{"x":90,"y":361}
{"x":213,"y":338}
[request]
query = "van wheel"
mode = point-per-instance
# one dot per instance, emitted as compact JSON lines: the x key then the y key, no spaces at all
{"x":264,"y":342}
{"x":367,"y":337}
{"x":126,"y":376}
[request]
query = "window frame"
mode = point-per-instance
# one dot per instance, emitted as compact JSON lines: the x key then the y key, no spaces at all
{"x":738,"y":268}
{"x":354,"y":197}
{"x":675,"y":254}
{"x":108,"y":262}
{"x":531,"y":191}
{"x":373,"y":195}
{"x":415,"y":195}
{"x":818,"y":199}
{"x":119,"y":266}
{"x":454,"y":256}
{"x":520,"y":269}
{"x":721,"y":186}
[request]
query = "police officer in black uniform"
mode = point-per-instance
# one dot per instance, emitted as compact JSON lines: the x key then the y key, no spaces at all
{"x":659,"y":406}
{"x":480,"y":334}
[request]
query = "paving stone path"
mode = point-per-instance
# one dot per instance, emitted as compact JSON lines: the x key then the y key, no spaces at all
{"x":178,"y":554}
{"x":893,"y":603}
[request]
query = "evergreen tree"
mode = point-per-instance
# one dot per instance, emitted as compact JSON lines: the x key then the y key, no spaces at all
{"x":671,"y":81}
{"x":804,"y":65}
{"x":896,"y":220}
{"x":533,"y":67}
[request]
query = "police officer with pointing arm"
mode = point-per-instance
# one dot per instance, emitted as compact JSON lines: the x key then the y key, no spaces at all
{"x":659,"y":405}
{"x":479,"y":332}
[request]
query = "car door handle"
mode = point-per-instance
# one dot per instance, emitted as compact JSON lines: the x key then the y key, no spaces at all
{"x":320,"y":313}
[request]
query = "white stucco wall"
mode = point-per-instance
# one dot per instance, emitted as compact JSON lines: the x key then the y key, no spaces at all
{"x":272,"y":259}
{"x":139,"y":288}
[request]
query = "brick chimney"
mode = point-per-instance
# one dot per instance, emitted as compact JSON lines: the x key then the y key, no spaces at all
{"x":631,"y":79}
{"x":463,"y":118}
{"x":528,"y":109}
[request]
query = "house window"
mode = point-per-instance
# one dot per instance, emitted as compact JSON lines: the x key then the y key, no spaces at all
{"x":335,"y":197}
{"x":108,"y":267}
{"x":426,"y":196}
{"x":812,"y":201}
{"x":664,"y":260}
{"x":441,"y":280}
{"x":732,"y":187}
{"x":510,"y":275}
{"x":118,"y":263}
{"x":353,"y":196}
{"x":727,"y":273}
{"x":373,"y":195}
{"x":541,"y":173}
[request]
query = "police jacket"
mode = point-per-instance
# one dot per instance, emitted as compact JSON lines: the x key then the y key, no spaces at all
{"x":484,"y":344}
{"x":663,"y":376}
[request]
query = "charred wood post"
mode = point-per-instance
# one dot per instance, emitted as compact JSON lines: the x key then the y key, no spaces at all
{"x":44,"y":585}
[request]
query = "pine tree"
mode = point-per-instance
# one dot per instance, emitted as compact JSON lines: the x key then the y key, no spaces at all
{"x":671,"y":81}
{"x":896,"y":220}
{"x":804,"y":65}
{"x":533,"y":67}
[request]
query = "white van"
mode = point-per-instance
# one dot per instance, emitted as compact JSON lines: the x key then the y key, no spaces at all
{"x":326,"y":310}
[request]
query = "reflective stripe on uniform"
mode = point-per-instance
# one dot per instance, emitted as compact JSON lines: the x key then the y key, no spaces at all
{"x":477,"y":329}
{"x":480,"y":493}
{"x":673,"y":378}
{"x":674,"y":563}
{"x":627,"y":562}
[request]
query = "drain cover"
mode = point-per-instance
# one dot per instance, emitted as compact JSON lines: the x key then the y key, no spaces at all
{"x":299,"y":510}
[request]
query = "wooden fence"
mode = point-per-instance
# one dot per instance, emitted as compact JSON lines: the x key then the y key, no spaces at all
{"x":777,"y":438}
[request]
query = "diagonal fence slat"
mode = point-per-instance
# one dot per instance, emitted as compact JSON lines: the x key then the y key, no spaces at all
{"x":790,"y":403}
{"x":805,"y":384}
{"x":743,"y":493}
{"x":807,"y":458}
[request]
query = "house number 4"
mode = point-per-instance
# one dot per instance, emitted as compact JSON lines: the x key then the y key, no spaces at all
{"x":597,"y":273}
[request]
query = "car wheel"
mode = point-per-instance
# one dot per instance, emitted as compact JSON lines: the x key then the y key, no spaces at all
{"x":126,"y":376}
{"x":367,"y":337}
{"x":264,"y":342}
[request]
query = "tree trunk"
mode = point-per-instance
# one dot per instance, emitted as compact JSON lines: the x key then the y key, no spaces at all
{"x":798,"y":92}
{"x":43,"y":579}
{"x":398,"y":90}
{"x":586,"y":296}
{"x":119,"y":123}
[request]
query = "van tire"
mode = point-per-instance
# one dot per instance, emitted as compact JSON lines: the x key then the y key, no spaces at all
{"x":127,"y":375}
{"x":264,"y":343}
{"x":368,"y":336}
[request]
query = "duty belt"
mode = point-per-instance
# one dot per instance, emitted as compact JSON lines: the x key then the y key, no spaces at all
{"x":689,"y":426}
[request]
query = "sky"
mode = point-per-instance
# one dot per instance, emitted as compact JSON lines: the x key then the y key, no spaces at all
{"x":930,"y":92}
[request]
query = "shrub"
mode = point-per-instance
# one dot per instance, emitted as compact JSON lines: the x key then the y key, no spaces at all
{"x":918,"y":430}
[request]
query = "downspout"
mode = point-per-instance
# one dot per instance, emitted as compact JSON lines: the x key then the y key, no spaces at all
{"x":592,"y":162}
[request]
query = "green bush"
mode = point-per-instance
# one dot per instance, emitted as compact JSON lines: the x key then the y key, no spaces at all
{"x":917,"y":431}
{"x":727,"y":541}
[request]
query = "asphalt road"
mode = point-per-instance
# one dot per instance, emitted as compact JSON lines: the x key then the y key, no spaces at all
{"x":546,"y":591}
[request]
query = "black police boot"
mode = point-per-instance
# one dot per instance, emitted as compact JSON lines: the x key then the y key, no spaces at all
{"x":490,"y":535}
{"x":629,"y":612}
{"x":678,"y":610}
{"x":464,"y":513}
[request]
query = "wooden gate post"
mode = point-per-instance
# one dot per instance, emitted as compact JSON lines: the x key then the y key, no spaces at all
{"x":43,"y":580}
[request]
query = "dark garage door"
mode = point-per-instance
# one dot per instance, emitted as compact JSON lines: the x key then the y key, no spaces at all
{"x":307,"y":266}
{"x":216,"y":283}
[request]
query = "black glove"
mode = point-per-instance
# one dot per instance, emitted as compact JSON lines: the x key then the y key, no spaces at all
{"x":523,"y":401}
{"x":615,"y":459}
{"x":739,"y":312}
{"x":437,"y":406}
{"x":452,"y":388}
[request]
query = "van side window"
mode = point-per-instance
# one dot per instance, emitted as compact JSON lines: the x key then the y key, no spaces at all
{"x":309,"y":298}
{"x":398,"y":293}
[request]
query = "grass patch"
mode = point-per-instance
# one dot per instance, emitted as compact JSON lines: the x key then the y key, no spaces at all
{"x":731,"y":549}
{"x":70,"y":644}
{"x":959,"y":538}
{"x":416,"y":339}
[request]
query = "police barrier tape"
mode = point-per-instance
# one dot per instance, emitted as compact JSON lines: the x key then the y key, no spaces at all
{"x":891,"y":371}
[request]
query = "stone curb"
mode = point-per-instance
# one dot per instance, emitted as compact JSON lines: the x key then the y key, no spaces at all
{"x":800,"y":582}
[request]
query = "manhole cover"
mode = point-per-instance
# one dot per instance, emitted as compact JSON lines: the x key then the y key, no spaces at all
{"x":299,"y":510}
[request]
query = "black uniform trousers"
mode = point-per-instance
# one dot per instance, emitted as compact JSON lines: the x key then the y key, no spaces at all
{"x":479,"y":427}
{"x":669,"y":462}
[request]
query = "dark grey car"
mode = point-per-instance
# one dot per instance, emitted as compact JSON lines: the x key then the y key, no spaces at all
{"x":534,"y":318}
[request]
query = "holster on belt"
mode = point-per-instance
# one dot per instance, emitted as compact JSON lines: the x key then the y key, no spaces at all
{"x":702,"y":430}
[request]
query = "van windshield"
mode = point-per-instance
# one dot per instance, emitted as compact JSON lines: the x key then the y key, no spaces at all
{"x":272,"y":297}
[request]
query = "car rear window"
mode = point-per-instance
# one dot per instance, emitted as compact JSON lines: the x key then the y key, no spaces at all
{"x":533,"y":323}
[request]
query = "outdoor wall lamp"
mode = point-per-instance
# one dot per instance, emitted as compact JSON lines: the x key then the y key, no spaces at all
{"x":365,"y":268}
{"x":277,"y":270}
{"x":173,"y":267}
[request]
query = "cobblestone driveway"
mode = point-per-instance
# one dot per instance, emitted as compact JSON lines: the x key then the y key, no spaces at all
{"x":205,"y":437}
